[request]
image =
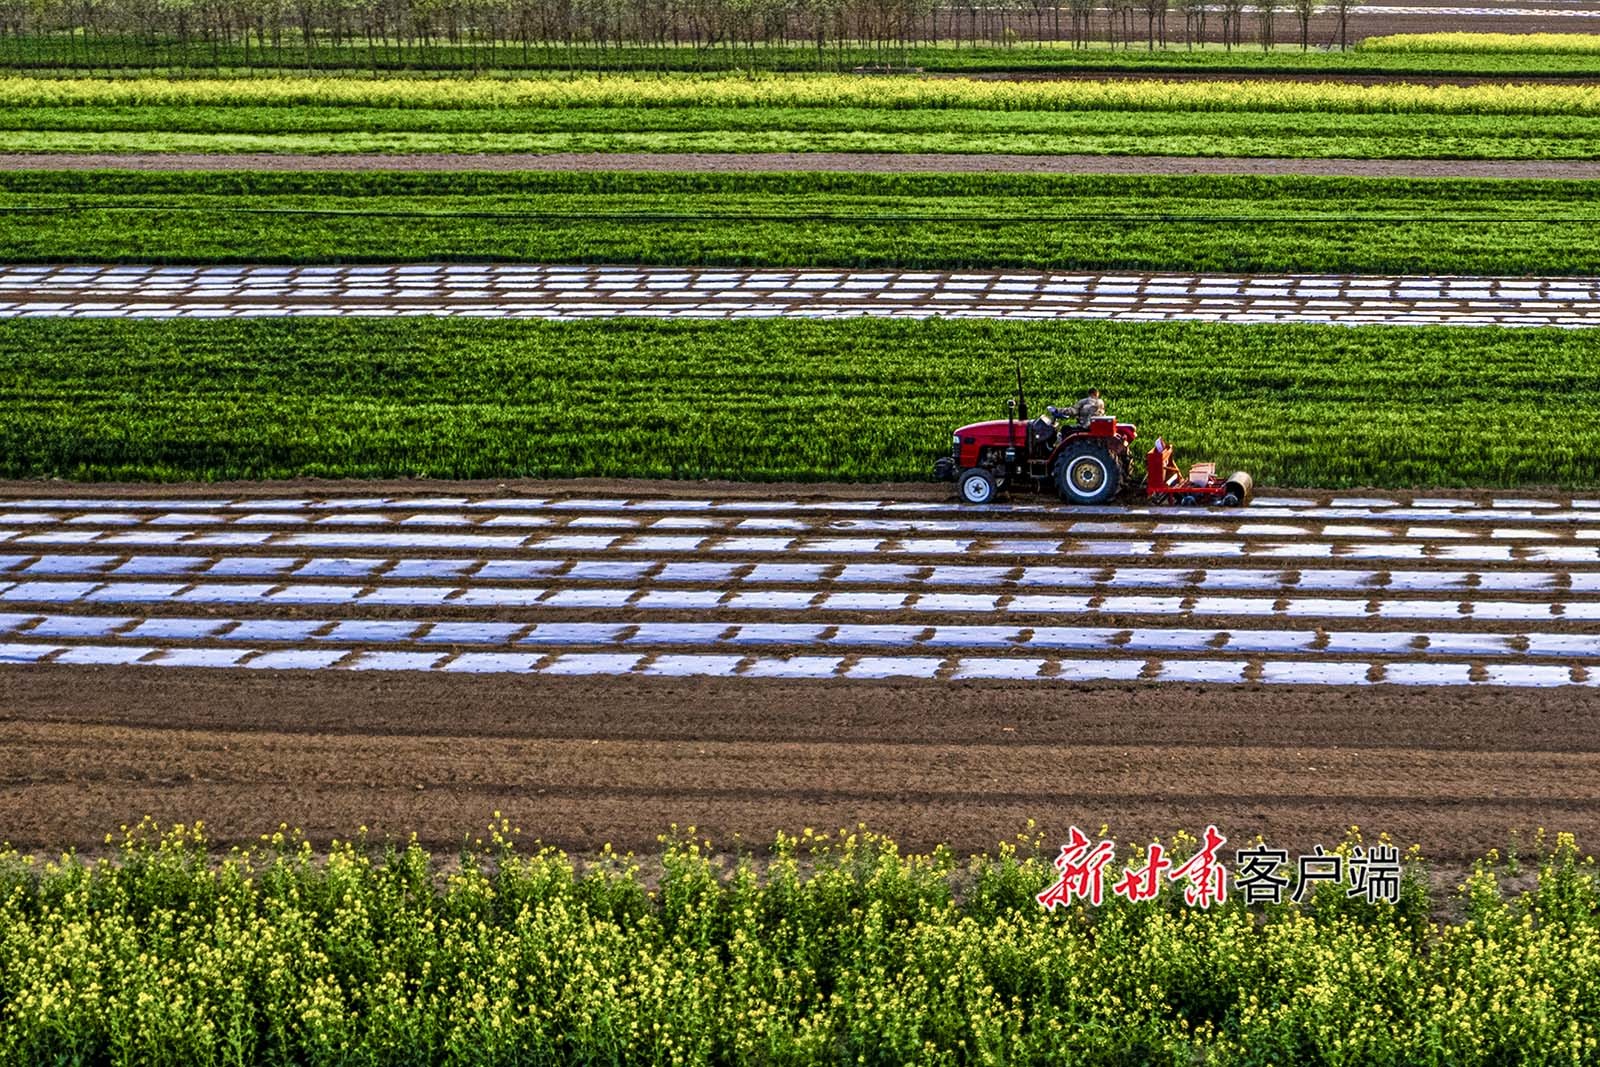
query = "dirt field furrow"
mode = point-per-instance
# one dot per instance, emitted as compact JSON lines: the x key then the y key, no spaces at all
{"x":866,"y":770}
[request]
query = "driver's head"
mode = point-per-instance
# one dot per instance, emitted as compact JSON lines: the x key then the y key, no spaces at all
{"x":1094,"y":394}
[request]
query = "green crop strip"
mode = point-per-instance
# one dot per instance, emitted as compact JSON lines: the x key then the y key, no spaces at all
{"x":911,"y":221}
{"x":860,"y":400}
{"x":832,"y":948}
{"x":1239,"y":134}
{"x":798,"y":113}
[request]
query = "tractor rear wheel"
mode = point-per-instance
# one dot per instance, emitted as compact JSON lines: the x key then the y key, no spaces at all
{"x":1087,"y":474}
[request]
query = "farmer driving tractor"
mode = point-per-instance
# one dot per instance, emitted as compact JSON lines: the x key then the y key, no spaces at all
{"x":1089,"y":407}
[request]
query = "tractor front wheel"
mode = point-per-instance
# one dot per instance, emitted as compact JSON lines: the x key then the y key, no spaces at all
{"x":977,"y":486}
{"x":1086,"y":474}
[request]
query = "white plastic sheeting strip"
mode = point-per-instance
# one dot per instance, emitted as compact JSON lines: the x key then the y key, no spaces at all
{"x":464,"y":510}
{"x":1155,"y":641}
{"x":576,"y":293}
{"x":891,"y":668}
{"x":1088,"y":603}
{"x":662,"y":572}
{"x":1466,"y":586}
{"x":1494,"y":524}
{"x":1475,"y":552}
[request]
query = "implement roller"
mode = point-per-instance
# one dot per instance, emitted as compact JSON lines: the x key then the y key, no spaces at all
{"x":1166,"y":484}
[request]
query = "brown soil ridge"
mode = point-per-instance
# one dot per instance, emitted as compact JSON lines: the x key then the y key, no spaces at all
{"x":849,"y":162}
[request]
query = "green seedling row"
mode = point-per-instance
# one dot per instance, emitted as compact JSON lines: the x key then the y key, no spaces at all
{"x":858,"y":400}
{"x":1221,"y":224}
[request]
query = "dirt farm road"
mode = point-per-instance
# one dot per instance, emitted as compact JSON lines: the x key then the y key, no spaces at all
{"x":601,"y":661}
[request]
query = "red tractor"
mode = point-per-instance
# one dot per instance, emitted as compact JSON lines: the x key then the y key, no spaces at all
{"x":1087,"y":464}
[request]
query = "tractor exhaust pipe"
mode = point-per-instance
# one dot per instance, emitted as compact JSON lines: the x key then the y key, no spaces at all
{"x":1239,"y":490}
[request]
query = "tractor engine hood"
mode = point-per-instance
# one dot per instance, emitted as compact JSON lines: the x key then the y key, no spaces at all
{"x":1000,"y":431}
{"x":993,"y":432}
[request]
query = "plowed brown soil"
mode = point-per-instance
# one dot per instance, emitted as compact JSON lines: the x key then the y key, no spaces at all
{"x":582,"y":762}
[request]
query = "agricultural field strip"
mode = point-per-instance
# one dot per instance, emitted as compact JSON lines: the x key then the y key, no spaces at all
{"x":493,"y":281}
{"x":1488,"y":535}
{"x":1354,"y":524}
{"x":1584,"y":320}
{"x":729,"y":92}
{"x":1489,"y":12}
{"x":817,"y":547}
{"x":37,"y":573}
{"x":916,"y":576}
{"x":1096,"y":602}
{"x":1110,"y":539}
{"x":563,"y":635}
{"x":956,"y":668}
{"x":1545,"y":509}
{"x":590,"y":610}
{"x":775,"y":535}
{"x":579,"y":292}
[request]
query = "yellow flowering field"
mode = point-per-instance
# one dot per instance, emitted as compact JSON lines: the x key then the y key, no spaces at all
{"x":833,"y":948}
{"x":810,"y":91}
{"x":1478,"y":43}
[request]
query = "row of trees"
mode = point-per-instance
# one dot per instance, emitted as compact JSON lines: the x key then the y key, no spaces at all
{"x":553,"y":32}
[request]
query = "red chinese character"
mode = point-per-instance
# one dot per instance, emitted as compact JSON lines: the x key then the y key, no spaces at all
{"x":1082,"y":870}
{"x":1208,"y":879}
{"x":1143,"y":883}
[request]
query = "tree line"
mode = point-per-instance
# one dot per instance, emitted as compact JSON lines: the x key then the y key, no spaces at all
{"x":457,"y":34}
